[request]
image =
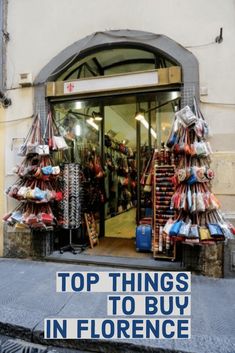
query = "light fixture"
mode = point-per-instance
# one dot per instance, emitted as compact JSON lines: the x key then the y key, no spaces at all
{"x":97,"y":116}
{"x":139,"y":115}
{"x":78,"y":130}
{"x":78,"y":105}
{"x":174,"y":95}
{"x":91,"y":122}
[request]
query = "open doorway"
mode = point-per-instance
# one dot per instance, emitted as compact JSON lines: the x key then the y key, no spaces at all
{"x":113,"y":53}
{"x":107,"y":129}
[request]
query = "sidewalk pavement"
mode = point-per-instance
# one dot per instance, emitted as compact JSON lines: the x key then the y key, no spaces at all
{"x":16,"y":345}
{"x":28,"y":295}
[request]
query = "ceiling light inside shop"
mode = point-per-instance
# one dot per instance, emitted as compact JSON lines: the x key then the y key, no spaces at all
{"x":78,"y":130}
{"x":174,"y":95}
{"x":97,"y":116}
{"x":140,"y":117}
{"x":153,"y":133}
{"x":92,"y":123}
{"x":78,"y":105}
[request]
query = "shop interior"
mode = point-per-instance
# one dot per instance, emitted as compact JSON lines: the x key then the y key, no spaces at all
{"x":108,"y":134}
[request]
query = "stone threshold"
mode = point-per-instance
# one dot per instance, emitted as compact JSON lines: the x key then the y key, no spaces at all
{"x":115,"y":261}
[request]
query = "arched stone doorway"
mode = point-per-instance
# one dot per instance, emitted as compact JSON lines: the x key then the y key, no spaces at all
{"x":96,"y":41}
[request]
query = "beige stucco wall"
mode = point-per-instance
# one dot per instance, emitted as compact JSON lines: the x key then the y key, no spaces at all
{"x":2,"y":173}
{"x":223,"y":163}
{"x":40,"y":29}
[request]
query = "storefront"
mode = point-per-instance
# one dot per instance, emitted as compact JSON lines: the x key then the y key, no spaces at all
{"x":101,"y":124}
{"x":113,"y":96}
{"x":103,"y":133}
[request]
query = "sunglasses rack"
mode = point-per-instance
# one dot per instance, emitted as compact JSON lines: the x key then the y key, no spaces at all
{"x":163,"y":191}
{"x":71,"y":204}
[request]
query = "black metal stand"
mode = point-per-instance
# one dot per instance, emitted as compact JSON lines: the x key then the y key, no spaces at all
{"x":74,"y":248}
{"x":72,"y":205}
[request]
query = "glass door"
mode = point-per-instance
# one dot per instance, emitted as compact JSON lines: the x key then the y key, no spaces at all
{"x":106,"y":134}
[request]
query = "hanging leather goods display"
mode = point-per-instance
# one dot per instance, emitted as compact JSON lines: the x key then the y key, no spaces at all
{"x":215,"y":230}
{"x":186,"y":116}
{"x":200,"y":220}
{"x":201,"y":127}
{"x":34,"y":142}
{"x":174,"y":231}
{"x":173,"y":138}
{"x":46,"y":216}
{"x":194,"y":232}
{"x":204,"y":233}
{"x":185,"y":228}
{"x":29,"y":138}
{"x":200,"y":205}
{"x":52,"y":135}
{"x":36,"y":187}
{"x":227,"y":227}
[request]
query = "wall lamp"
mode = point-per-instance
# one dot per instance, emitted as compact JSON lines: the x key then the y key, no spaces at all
{"x":6,"y":102}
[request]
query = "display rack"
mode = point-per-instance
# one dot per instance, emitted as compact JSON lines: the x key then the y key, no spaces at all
{"x":163,"y":247}
{"x":71,"y":203}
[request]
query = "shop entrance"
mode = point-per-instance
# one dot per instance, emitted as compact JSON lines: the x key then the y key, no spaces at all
{"x":106,"y":130}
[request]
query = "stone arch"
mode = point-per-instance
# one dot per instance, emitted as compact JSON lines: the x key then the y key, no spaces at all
{"x":154,"y":42}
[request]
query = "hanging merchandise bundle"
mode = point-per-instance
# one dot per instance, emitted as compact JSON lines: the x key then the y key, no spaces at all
{"x":38,"y":187}
{"x":197,"y":216}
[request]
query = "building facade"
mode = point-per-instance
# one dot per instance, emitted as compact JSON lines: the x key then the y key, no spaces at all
{"x":41,"y":37}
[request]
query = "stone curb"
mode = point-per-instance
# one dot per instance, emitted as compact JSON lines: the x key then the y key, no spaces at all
{"x":101,"y":346}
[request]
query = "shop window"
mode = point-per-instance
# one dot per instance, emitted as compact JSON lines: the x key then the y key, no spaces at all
{"x":103,"y":130}
{"x":81,"y":131}
{"x":114,"y":61}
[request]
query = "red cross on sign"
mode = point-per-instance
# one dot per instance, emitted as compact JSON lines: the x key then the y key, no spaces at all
{"x":70,"y":87}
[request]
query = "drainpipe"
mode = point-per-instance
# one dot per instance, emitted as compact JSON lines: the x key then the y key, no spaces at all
{"x":4,"y":38}
{"x":3,"y":5}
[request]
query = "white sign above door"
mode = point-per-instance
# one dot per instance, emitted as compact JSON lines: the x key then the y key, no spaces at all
{"x":117,"y":82}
